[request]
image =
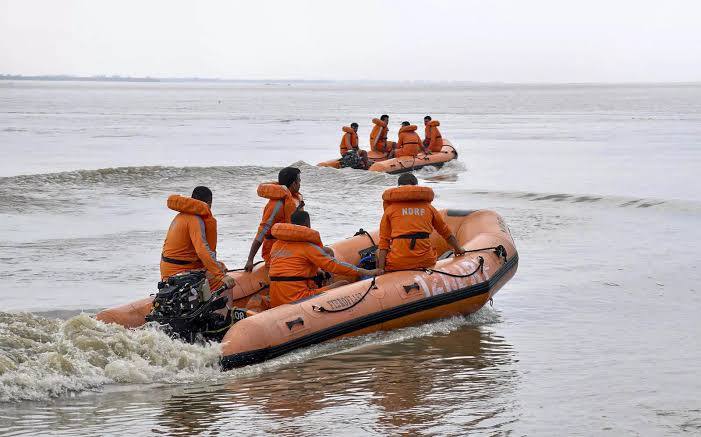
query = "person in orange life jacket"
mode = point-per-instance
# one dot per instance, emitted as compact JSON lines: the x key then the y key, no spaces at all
{"x":433,"y":141}
{"x":408,"y":141}
{"x":295,"y":259}
{"x":407,"y":222}
{"x":284,"y":199}
{"x":191,"y":241}
{"x":349,"y":141}
{"x":378,"y":136}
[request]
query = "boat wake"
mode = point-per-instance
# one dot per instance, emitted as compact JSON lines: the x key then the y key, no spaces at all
{"x":43,"y":358}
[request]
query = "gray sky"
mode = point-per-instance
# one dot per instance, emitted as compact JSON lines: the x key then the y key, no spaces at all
{"x":510,"y":41}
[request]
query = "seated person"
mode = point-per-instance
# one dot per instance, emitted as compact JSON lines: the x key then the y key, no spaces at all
{"x":297,"y":256}
{"x":349,"y":141}
{"x":433,"y":141}
{"x":378,"y":136}
{"x":191,"y":241}
{"x":409,"y":142}
{"x":407,"y":223}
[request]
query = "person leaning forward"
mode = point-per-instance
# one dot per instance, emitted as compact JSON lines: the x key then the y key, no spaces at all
{"x":191,"y":241}
{"x":296,"y":258}
{"x":407,"y":223}
{"x":284,"y":199}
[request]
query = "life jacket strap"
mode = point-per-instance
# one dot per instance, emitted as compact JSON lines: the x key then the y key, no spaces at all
{"x":178,"y":262}
{"x":413,"y":237}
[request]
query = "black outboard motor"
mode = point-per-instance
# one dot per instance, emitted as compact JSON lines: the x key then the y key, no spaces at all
{"x":185,"y":308}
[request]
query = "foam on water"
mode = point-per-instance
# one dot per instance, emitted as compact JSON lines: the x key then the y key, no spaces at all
{"x":42,"y":358}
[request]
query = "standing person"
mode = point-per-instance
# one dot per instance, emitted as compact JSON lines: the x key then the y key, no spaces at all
{"x":349,"y":141}
{"x":284,"y":199}
{"x":409,"y":142}
{"x":297,"y":256}
{"x":433,"y":141}
{"x":378,"y":135}
{"x":407,"y":223}
{"x":191,"y":241}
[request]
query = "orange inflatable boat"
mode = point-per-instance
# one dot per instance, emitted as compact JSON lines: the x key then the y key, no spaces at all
{"x":454,"y":286}
{"x":405,"y":163}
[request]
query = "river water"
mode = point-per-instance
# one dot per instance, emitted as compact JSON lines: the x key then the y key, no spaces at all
{"x":597,"y":334}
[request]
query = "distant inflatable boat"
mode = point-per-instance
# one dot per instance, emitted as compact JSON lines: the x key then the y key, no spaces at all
{"x":405,"y":163}
{"x":454,"y":286}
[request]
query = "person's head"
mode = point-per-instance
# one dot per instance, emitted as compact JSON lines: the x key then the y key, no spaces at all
{"x":385,"y":118}
{"x":290,"y":177}
{"x":203,"y":194}
{"x":405,"y":123}
{"x":407,"y":179}
{"x":427,"y":119}
{"x":301,"y":218}
{"x":354,"y":126}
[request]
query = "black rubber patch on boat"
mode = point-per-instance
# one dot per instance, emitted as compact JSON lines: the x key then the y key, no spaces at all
{"x":260,"y":355}
{"x":460,"y":212}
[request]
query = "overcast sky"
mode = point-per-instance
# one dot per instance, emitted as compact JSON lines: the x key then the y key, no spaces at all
{"x":509,"y":41}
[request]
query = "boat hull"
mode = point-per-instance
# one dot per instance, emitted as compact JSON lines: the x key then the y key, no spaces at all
{"x":406,"y":163}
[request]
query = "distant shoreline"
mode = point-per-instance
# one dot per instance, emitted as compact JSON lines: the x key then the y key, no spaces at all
{"x":116,"y":78}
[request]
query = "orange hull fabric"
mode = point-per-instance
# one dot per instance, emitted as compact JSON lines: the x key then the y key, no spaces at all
{"x":396,"y":300}
{"x":405,"y":163}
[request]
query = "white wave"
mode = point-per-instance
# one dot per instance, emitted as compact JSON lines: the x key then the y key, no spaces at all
{"x":42,"y":358}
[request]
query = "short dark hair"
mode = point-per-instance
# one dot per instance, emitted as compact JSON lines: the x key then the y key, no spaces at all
{"x":354,"y":124}
{"x":428,"y":117}
{"x":383,"y":116}
{"x":405,"y":123}
{"x":407,"y":179}
{"x":288,"y":176}
{"x":300,"y":218}
{"x":202,"y":193}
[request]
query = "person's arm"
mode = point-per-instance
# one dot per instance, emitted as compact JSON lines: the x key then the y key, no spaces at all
{"x":272,"y":209}
{"x":373,"y":141}
{"x":383,"y":246}
{"x":442,"y":228}
{"x":320,"y":258}
{"x":198,"y":238}
{"x":400,"y":142}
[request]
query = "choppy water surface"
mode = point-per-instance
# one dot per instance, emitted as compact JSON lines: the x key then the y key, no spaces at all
{"x":597,"y":333}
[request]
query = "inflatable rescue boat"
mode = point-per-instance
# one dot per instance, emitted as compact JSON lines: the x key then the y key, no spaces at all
{"x":404,"y":163}
{"x":454,"y":286}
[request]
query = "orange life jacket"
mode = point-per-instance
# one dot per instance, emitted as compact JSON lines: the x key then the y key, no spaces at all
{"x":279,"y":209}
{"x":296,"y":257}
{"x":409,"y":142}
{"x":349,"y":140}
{"x":433,"y":139}
{"x":407,"y":222}
{"x":191,"y":241}
{"x":378,"y":136}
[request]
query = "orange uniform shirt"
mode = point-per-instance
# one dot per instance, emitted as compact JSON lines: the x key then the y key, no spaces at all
{"x":349,"y":140}
{"x":409,"y":142}
{"x":275,"y":211}
{"x":433,"y":139}
{"x":299,"y":259}
{"x":191,"y":238}
{"x":407,"y":217}
{"x":378,"y":136}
